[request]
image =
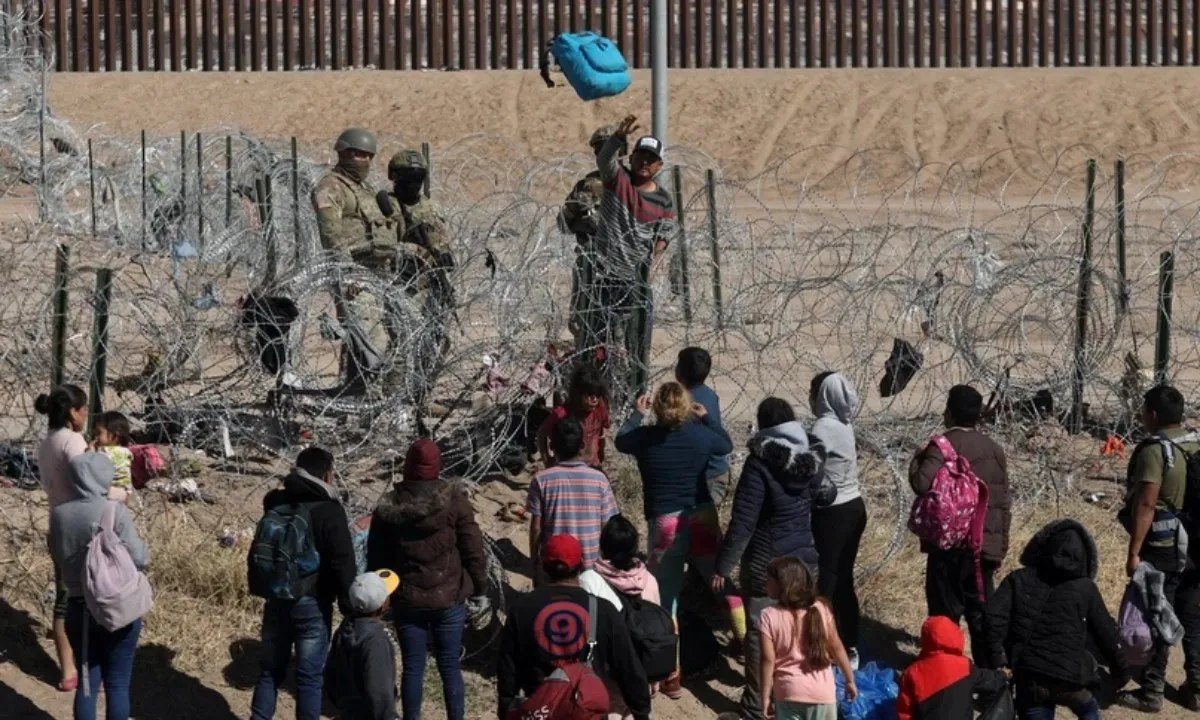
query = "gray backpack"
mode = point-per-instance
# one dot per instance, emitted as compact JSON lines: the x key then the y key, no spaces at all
{"x":116,"y":592}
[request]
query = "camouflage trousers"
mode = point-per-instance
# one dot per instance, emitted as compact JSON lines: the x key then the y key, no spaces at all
{"x":619,"y":318}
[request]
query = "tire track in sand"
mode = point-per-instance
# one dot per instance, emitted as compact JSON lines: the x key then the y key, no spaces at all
{"x":766,"y":146}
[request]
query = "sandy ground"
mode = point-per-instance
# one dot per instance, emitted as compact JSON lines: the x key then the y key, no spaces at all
{"x":1014,"y":123}
{"x":1022,"y":131}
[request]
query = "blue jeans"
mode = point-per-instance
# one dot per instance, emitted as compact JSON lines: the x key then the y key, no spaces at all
{"x":1038,"y":697}
{"x":414,"y":626}
{"x":1090,"y":711}
{"x":305,"y":624}
{"x":109,"y":659}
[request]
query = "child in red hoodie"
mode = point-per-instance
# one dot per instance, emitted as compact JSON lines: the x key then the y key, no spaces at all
{"x":943,"y":682}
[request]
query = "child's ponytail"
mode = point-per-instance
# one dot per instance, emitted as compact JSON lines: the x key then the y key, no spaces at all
{"x":798,"y":593}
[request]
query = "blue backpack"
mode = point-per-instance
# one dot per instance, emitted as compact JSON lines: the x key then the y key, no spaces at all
{"x":283,"y":563}
{"x":593,"y":65}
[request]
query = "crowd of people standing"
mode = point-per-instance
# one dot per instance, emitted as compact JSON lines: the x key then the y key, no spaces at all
{"x":604,"y":619}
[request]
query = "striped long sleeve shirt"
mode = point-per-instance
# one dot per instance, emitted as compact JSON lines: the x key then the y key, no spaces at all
{"x":630,"y":220}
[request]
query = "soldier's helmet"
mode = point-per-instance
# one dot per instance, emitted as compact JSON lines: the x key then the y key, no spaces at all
{"x":408,"y":161}
{"x":356,"y":139}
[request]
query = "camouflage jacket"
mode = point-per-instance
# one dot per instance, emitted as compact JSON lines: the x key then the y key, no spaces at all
{"x":580,"y":213}
{"x":351,"y":222}
{"x":423,"y":243}
{"x":421,"y":225}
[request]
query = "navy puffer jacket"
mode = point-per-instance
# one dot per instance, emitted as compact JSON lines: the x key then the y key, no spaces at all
{"x":772,"y":506}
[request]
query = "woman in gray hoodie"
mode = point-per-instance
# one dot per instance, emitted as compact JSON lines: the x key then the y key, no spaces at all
{"x":106,"y":656}
{"x":839,"y":527}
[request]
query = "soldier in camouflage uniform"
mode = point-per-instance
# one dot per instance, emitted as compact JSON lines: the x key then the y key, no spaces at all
{"x":424,"y":257}
{"x":354,"y":229}
{"x":580,"y":215}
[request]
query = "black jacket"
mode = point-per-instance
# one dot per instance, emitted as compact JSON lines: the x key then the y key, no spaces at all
{"x":425,"y":531}
{"x":772,"y":506}
{"x":525,"y":660}
{"x":360,"y":675}
{"x":1045,"y":615}
{"x":331,"y":534}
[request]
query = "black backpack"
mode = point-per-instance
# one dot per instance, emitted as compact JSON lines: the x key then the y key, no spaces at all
{"x":1189,"y":514}
{"x":653,"y":633}
{"x":284,"y":563}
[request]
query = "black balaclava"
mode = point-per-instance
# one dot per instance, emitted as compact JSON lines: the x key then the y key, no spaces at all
{"x":357,"y":168}
{"x":408,"y":186}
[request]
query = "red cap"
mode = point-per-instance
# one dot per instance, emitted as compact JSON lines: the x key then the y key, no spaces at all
{"x":564,"y":549}
{"x":423,"y":462}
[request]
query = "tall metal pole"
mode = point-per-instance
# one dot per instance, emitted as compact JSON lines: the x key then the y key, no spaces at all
{"x":658,"y":67}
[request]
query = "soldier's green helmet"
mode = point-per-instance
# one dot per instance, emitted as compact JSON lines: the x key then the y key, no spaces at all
{"x":356,"y":139}
{"x":408,"y":161}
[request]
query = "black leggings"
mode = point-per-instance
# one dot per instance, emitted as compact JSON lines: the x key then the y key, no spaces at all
{"x":837,"y":531}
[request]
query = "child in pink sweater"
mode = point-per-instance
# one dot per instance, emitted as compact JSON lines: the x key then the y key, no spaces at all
{"x":620,"y":571}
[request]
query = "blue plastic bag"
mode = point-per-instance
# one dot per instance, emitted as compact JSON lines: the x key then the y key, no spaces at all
{"x":592,"y":64}
{"x":878,"y":689}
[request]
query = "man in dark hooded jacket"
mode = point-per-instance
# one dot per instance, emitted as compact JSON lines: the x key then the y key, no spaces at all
{"x":772,"y":510}
{"x":307,"y":622}
{"x":1045,"y":616}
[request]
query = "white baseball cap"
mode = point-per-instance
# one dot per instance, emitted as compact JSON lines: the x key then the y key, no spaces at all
{"x":370,"y":591}
{"x":650,"y":144}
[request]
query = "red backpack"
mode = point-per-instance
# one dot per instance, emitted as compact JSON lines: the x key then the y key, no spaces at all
{"x":147,"y":465}
{"x":952,"y":514}
{"x":572,"y":691}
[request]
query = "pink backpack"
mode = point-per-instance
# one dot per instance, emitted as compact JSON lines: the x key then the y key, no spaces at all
{"x":116,"y":592}
{"x":147,"y":464}
{"x":952,"y":514}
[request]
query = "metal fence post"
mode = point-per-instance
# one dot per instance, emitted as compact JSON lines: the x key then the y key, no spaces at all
{"x":685,"y":282}
{"x":1083,"y":303}
{"x":718,"y":300}
{"x":1166,"y":297}
{"x":425,"y":151}
{"x":96,"y":383}
{"x":58,"y":348}
{"x":1122,"y":277}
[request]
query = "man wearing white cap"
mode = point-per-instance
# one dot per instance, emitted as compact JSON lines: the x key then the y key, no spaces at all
{"x":637,"y":220}
{"x":361,"y":675}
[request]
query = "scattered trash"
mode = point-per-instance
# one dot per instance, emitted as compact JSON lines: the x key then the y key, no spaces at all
{"x":228,"y":539}
{"x":180,"y":491}
{"x":878,"y":689}
{"x":18,"y":467}
{"x":360,"y":529}
{"x":209,"y":299}
{"x":899,"y":368}
{"x":512,"y":512}
{"x":1113,"y":447}
{"x":984,"y":268}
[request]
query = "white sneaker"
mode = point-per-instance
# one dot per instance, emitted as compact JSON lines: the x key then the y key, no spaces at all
{"x":853,"y":653}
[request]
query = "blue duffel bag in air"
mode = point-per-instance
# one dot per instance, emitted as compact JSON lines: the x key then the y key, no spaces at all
{"x":593,"y":65}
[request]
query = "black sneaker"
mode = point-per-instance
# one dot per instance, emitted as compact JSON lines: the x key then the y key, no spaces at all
{"x":1190,"y":699}
{"x":1139,"y":700}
